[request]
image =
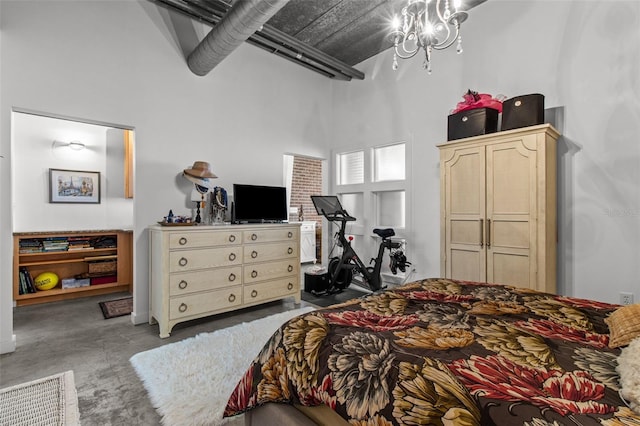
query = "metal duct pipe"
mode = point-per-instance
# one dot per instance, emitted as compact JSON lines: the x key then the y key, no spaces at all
{"x":242,"y":20}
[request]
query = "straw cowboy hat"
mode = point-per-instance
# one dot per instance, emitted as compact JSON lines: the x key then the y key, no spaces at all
{"x":200,"y":174}
{"x":200,"y":169}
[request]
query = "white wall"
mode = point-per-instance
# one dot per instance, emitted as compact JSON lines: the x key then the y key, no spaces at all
{"x":38,"y":145}
{"x":124,"y":62}
{"x":583,"y":56}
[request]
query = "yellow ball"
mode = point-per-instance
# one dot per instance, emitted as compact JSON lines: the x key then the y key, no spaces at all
{"x":46,"y":281}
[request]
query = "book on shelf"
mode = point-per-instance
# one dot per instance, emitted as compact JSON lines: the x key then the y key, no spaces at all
{"x":26,"y":281}
{"x":31,"y":287}
{"x":29,"y":245}
{"x":22,"y":289}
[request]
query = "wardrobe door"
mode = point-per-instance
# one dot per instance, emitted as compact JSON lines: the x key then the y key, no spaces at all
{"x":510,"y":237}
{"x":462,"y":213}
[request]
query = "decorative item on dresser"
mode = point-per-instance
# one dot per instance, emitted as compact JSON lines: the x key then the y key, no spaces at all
{"x":206,"y":270}
{"x":498,"y":208}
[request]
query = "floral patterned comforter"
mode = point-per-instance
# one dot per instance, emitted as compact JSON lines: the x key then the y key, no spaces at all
{"x":440,"y":351}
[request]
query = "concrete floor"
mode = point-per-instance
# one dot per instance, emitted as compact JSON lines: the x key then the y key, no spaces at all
{"x":73,"y":335}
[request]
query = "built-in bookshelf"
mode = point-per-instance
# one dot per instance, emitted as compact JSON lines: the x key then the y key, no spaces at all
{"x":86,"y":263}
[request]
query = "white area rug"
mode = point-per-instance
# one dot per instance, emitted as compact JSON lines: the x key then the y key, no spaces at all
{"x":51,"y":400}
{"x":189,"y":382}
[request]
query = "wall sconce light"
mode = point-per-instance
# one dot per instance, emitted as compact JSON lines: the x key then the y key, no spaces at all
{"x":76,"y":145}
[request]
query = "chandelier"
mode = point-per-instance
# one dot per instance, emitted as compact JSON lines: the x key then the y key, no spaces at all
{"x":420,"y":27}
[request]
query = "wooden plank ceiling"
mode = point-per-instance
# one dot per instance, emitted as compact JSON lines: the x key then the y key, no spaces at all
{"x":327,"y":36}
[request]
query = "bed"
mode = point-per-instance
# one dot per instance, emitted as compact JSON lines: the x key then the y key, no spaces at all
{"x":441,"y":351}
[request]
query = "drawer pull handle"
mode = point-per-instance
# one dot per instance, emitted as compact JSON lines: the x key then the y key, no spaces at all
{"x":254,"y":274}
{"x":289,"y":250}
{"x":290,"y":234}
{"x":232,"y":238}
{"x":232,"y":297}
{"x":254,"y":293}
{"x":232,"y":277}
{"x":254,"y":237}
{"x":183,"y":261}
{"x":254,"y":254}
{"x":290,"y":268}
{"x":182,"y":285}
{"x":183,"y":307}
{"x":182,"y":241}
{"x":290,"y":286}
{"x":232,"y":257}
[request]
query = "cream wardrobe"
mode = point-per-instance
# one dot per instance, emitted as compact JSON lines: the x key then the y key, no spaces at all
{"x":498,"y":208}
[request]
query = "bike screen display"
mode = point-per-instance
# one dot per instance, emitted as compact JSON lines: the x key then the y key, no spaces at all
{"x":326,"y":204}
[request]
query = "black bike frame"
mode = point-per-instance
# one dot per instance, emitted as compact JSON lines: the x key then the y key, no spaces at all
{"x":350,"y":259}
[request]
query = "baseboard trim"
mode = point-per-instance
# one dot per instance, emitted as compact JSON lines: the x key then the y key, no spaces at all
{"x":7,"y":346}
{"x":139,"y":318}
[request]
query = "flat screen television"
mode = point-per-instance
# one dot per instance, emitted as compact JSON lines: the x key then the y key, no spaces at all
{"x":258,"y":203}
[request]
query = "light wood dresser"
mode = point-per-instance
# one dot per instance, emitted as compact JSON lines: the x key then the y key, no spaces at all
{"x":197,"y":271}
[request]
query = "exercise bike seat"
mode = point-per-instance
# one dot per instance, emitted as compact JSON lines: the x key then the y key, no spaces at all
{"x":384,"y":233}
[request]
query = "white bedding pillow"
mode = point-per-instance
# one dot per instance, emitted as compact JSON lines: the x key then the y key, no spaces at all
{"x":629,"y":370}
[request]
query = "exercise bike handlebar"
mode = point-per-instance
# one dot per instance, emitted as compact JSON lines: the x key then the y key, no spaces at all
{"x":338,"y":215}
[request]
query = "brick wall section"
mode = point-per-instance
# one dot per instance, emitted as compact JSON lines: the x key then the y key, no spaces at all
{"x":307,"y":181}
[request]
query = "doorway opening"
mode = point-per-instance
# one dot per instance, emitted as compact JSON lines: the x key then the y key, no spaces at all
{"x":303,"y":178}
{"x":100,"y":156}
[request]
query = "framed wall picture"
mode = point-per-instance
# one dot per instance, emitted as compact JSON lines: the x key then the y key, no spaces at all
{"x":74,"y":186}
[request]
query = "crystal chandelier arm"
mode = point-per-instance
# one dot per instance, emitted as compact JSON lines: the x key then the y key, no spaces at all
{"x":442,"y":18}
{"x":442,"y":46}
{"x":400,"y":48}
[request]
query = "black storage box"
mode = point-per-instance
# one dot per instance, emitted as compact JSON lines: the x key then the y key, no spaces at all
{"x":472,"y":122}
{"x":316,"y":282}
{"x":522,"y":111}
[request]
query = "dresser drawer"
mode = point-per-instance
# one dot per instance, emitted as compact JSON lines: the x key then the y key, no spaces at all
{"x":273,"y":251}
{"x":190,"y":282}
{"x":204,"y":239}
{"x":267,"y":235}
{"x":271,"y":289}
{"x":189,"y":260}
{"x":270,"y":270}
{"x":199,"y":303}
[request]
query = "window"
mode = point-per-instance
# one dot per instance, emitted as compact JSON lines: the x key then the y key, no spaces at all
{"x":390,"y":208}
{"x":389,"y":163}
{"x":350,"y":168}
{"x":353,"y":204}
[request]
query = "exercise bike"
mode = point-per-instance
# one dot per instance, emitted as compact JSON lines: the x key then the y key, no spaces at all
{"x":343,"y":268}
